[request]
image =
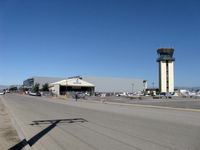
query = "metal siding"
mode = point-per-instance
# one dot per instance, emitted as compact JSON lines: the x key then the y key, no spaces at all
{"x":43,"y":80}
{"x":102,"y":84}
{"x":108,"y":84}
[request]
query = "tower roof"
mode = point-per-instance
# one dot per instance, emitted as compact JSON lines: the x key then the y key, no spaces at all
{"x":166,"y":54}
{"x":167,"y":51}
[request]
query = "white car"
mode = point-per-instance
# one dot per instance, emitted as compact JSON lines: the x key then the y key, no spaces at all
{"x":7,"y":91}
{"x":2,"y":92}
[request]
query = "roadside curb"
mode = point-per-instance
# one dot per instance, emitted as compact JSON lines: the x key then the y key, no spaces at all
{"x":136,"y":105}
{"x":144,"y":106}
{"x":16,"y":125}
{"x":158,"y":107}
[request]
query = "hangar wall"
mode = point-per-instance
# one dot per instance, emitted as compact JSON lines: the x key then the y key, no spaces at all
{"x":109,"y":84}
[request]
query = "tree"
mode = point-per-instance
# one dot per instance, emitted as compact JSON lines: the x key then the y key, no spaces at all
{"x":35,"y":88}
{"x":45,"y":87}
{"x":13,"y":89}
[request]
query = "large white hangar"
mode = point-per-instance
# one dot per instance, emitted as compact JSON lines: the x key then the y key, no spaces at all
{"x":71,"y":85}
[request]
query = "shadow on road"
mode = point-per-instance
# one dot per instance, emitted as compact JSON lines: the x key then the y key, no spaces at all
{"x":52,"y":125}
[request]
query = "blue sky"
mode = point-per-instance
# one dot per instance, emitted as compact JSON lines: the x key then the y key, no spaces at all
{"x":115,"y":38}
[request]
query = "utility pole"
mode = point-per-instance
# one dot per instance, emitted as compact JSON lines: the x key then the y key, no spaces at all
{"x":132,"y":87}
{"x":153,"y":83}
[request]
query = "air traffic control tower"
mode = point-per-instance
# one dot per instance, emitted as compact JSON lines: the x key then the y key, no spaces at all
{"x":166,"y":69}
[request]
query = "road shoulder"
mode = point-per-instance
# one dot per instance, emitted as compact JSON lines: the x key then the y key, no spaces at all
{"x":8,"y":134}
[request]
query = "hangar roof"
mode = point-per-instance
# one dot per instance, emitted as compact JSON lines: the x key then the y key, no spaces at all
{"x":74,"y":82}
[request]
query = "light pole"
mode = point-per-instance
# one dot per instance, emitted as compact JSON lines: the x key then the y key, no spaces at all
{"x":132,"y":87}
{"x":66,"y":88}
{"x":153,"y":83}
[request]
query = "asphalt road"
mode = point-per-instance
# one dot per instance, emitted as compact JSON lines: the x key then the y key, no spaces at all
{"x":53,"y":124}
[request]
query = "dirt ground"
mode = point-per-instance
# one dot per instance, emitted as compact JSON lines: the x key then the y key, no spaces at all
{"x":8,"y":135}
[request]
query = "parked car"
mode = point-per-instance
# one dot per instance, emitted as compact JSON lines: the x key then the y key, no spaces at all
{"x":79,"y":95}
{"x":2,"y":92}
{"x":46,"y":93}
{"x":97,"y":94}
{"x":7,"y":91}
{"x":163,"y":95}
{"x":34,"y":93}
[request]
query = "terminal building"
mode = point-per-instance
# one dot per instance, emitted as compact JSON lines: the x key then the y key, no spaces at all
{"x":88,"y":84}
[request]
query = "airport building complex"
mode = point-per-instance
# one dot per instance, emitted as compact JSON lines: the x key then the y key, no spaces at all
{"x":109,"y":84}
{"x":88,"y":84}
{"x":166,"y":69}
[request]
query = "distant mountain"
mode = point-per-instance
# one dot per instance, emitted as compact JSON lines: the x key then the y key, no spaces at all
{"x":188,"y":88}
{"x":3,"y":86}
